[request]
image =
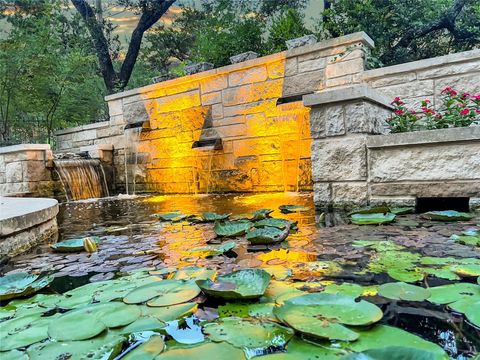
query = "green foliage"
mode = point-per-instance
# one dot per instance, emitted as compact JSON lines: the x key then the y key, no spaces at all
{"x":288,"y":25}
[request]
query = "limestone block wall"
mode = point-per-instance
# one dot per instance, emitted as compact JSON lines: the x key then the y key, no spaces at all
{"x":25,"y":170}
{"x":255,"y":107}
{"x":425,"y":79}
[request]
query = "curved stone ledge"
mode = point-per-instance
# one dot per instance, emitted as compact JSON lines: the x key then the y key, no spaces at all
{"x":25,"y":222}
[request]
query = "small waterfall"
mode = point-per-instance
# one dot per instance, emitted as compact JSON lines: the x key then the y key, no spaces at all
{"x":82,"y":178}
{"x":132,"y":136}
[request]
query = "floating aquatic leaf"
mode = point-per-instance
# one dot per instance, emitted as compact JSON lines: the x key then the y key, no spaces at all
{"x":278,"y":272}
{"x":211,"y":216}
{"x":149,"y":350}
{"x":101,"y":347}
{"x":73,"y":245}
{"x":276,"y":223}
{"x":21,"y":284}
{"x":466,"y":270}
{"x":243,"y":310}
{"x":212,"y":250}
{"x":447,"y":215}
{"x":402,"y":210}
{"x":232,"y":228}
{"x":467,"y":239}
{"x":267,"y":235}
{"x":169,"y":313}
{"x":393,"y":353}
{"x":204,"y":351}
{"x":379,"y":246}
{"x":348,"y":289}
{"x":448,"y":294}
{"x":372,"y":219}
{"x":261,"y":214}
{"x":163,"y":293}
{"x":248,"y":333}
{"x":188,"y":333}
{"x":403,"y":291}
{"x":298,"y":349}
{"x":381,"y":209}
{"x":144,"y":323}
{"x":407,"y":275}
{"x":242,"y":284}
{"x":194,"y":273}
{"x":287,"y":209}
{"x":172,"y":216}
{"x":87,"y":322}
{"x":14,"y":355}
{"x":324,"y":315}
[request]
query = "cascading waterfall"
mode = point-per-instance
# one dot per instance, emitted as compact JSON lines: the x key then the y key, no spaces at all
{"x":82,"y":178}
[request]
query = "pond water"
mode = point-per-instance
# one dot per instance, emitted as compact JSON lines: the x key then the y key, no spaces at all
{"x":312,"y":257}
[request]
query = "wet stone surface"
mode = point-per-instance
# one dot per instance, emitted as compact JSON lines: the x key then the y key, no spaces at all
{"x":131,"y":238}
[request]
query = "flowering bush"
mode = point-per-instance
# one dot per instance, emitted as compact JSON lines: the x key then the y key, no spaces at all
{"x":457,"y":110}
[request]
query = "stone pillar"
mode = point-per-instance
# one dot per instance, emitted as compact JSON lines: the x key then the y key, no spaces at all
{"x":25,"y":170}
{"x":340,"y":121}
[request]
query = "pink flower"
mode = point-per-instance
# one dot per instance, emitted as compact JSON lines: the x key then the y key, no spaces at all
{"x":477,"y":111}
{"x":399,"y":111}
{"x":397,"y":101}
{"x":476,"y":97}
{"x":446,"y":90}
{"x":465,"y":95}
{"x":461,"y":105}
{"x":427,"y":110}
{"x":427,"y":101}
{"x":465,"y":112}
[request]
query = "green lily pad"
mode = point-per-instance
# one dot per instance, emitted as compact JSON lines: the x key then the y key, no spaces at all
{"x":148,"y":350}
{"x":232,"y":228}
{"x":14,"y":355}
{"x":372,"y":219}
{"x":204,"y":351}
{"x":21,"y":284}
{"x":213,"y":250}
{"x":302,"y":350}
{"x":466,"y":239}
{"x":144,"y":323}
{"x":447,"y":215}
{"x":278,"y":272}
{"x":403,"y":291}
{"x":163,"y":293}
{"x":466,"y":270}
{"x":324,"y":315}
{"x":473,"y":313}
{"x":242,"y":284}
{"x":393,"y":353}
{"x":245,"y":310}
{"x":348,"y":289}
{"x":72,"y":245}
{"x":250,"y":334}
{"x":406,"y":275}
{"x":381,"y":209}
{"x":195,"y":273}
{"x":172,"y":216}
{"x":187,"y":332}
{"x":402,"y":210}
{"x":87,"y":322}
{"x":211,"y":216}
{"x":447,"y":294}
{"x":287,"y":209}
{"x":267,"y":235}
{"x":169,"y":313}
{"x":276,"y":223}
{"x":101,"y":347}
{"x":23,"y":331}
{"x":261,"y":214}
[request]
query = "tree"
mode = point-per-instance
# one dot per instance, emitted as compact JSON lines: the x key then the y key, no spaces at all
{"x":408,"y":30}
{"x":288,"y":25}
{"x":150,"y":12}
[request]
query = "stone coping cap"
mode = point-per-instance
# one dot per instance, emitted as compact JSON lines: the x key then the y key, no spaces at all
{"x":104,"y":147}
{"x":421,"y":64}
{"x":17,"y":214}
{"x":24,"y":147}
{"x":471,"y":133}
{"x":348,"y":93}
{"x":321,"y":45}
{"x":82,"y":128}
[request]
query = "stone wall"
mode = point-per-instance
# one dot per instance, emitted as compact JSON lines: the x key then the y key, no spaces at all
{"x":25,"y":170}
{"x":253,"y":106}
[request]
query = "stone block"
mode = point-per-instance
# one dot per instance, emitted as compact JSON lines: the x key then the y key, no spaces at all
{"x":35,"y":171}
{"x":248,"y":76}
{"x":342,"y":68}
{"x":291,"y":66}
{"x":449,"y":70}
{"x":14,"y":172}
{"x":301,"y":41}
{"x":424,"y":88}
{"x":252,"y":93}
{"x":237,"y":130}
{"x":84,"y":135}
{"x":276,"y":69}
{"x":260,"y":146}
{"x":317,"y":122}
{"x":303,"y":83}
{"x":198,"y":67}
{"x":229,"y":120}
{"x":322,"y":193}
{"x":340,"y":81}
{"x":339,"y":159}
{"x":312,"y":65}
{"x":469,"y":83}
{"x":217,"y":111}
{"x":366,"y":117}
{"x":115,"y":107}
{"x":214,"y":83}
{"x":212,"y":98}
{"x":249,"y":55}
{"x":394,"y":79}
{"x":334,"y":120}
{"x":412,"y":189}
{"x":172,"y":103}
{"x":349,"y":193}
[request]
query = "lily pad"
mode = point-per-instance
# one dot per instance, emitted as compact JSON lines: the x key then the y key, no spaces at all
{"x":148,"y":350}
{"x":403,"y":291}
{"x":245,"y":310}
{"x":447,"y":215}
{"x":14,"y":355}
{"x":325,"y":315}
{"x":267,"y":235}
{"x":467,"y":239}
{"x":261,"y":214}
{"x":194,"y":273}
{"x":448,"y":294}
{"x":144,"y":323}
{"x":213,"y":250}
{"x":402,"y":210}
{"x":231,"y":228}
{"x":172,"y":216}
{"x":211,"y":216}
{"x":287,"y":209}
{"x":204,"y":351}
{"x":188,"y":332}
{"x":163,"y":293}
{"x":393,"y":353}
{"x":169,"y":313}
{"x":276,"y":223}
{"x":250,"y":334}
{"x":372,"y":219}
{"x":73,"y":245}
{"x":348,"y":289}
{"x":21,"y":284}
{"x":242,"y":284}
{"x":101,"y":347}
{"x":380,"y":209}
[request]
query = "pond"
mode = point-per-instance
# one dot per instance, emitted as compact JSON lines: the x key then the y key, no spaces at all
{"x":338,"y":263}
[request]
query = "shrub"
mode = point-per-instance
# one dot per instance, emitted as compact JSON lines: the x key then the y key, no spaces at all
{"x":457,"y":110}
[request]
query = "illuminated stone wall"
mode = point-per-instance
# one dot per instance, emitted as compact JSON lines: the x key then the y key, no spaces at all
{"x":266,"y":142}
